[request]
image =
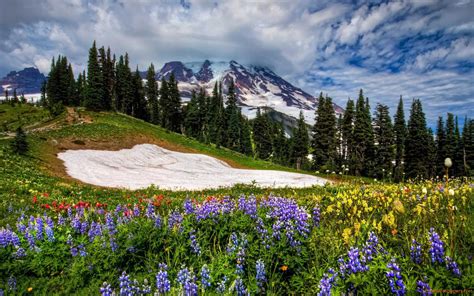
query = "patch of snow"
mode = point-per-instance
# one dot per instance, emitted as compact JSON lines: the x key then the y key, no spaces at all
{"x":30,"y":98}
{"x":218,"y":70}
{"x":148,"y":164}
{"x":194,"y":66}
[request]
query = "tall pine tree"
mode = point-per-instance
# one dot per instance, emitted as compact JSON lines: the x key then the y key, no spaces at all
{"x":300,"y":143}
{"x":400,"y":131}
{"x":417,"y":145}
{"x":324,"y":135}
{"x":151,"y":91}
{"x":94,"y":89}
{"x":262,"y":136}
{"x":385,"y":141}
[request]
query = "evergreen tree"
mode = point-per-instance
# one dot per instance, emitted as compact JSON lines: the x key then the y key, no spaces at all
{"x":107,"y":67}
{"x":127,"y":87}
{"x":15,"y":99}
{"x":262,"y":135}
{"x":385,"y":141}
{"x":192,"y":119}
{"x":324,"y":135}
{"x":164,"y":103}
{"x":232,"y":119}
{"x":362,"y":138}
{"x":450,"y":144}
{"x":458,"y":163}
{"x":280,"y":145}
{"x":400,"y":131}
{"x":20,"y":144}
{"x":215,"y":117}
{"x":22,"y":98}
{"x":440,"y":147}
{"x":245,"y":137}
{"x":417,"y":143}
{"x":468,"y":147}
{"x":174,"y":105}
{"x":139,"y":108}
{"x":202,"y":104}
{"x":42,"y":101}
{"x":299,"y":143}
{"x":94,"y":89}
{"x":151,"y":91}
{"x":431,"y":156}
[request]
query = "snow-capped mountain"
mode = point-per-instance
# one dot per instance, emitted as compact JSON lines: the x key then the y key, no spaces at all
{"x":256,"y":86}
{"x":27,"y":81}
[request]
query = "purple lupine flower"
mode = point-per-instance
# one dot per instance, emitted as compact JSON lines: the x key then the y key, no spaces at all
{"x":162,"y":282}
{"x":436,"y":248}
{"x":423,"y":288}
{"x":30,"y":238}
{"x":194,"y":243}
{"x":188,"y":207}
{"x":49,"y":222}
{"x":125,"y":288}
{"x":415,"y":252}
{"x":240,"y":260}
{"x":49,"y":234}
{"x":8,"y":237}
{"x":205,"y":277}
{"x":109,"y":221}
{"x":355,"y":263}
{"x":74,"y":251}
{"x":248,"y":206}
{"x":187,"y":281}
{"x":261,"y":275}
{"x":263,"y":232}
{"x":372,"y":247}
{"x":233,"y":243}
{"x":39,"y":228}
{"x":150,"y":211}
{"x":113,"y":244}
{"x":61,"y":220}
{"x":76,"y":224}
{"x":221,"y":285}
{"x":20,"y":253}
{"x":326,"y":283}
{"x":157,"y":220}
{"x":136,"y":210}
{"x":395,"y":278}
{"x":82,"y":250}
{"x":94,"y":231}
{"x":106,"y":290}
{"x":228,"y":205}
{"x":21,"y":227}
{"x":208,"y":209}
{"x":84,"y":226}
{"x":240,"y":287}
{"x":175,"y":220}
{"x":316,"y":216}
{"x":452,"y":266}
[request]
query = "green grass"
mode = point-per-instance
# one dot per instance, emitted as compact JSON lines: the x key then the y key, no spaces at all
{"x":20,"y":115}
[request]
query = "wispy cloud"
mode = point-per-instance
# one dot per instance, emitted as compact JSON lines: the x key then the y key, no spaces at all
{"x":416,"y":48}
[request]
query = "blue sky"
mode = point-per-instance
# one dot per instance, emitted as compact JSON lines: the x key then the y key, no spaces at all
{"x":419,"y":49}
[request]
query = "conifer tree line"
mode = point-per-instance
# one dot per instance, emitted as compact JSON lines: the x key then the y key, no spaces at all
{"x":354,"y":143}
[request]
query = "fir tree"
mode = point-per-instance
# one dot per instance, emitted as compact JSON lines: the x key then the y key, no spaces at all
{"x":468,"y":147}
{"x":385,"y":141}
{"x":215,"y":117}
{"x":20,"y":144}
{"x":262,"y":135}
{"x":202,"y":104}
{"x":192,"y":119}
{"x":458,"y":163}
{"x":245,"y":137}
{"x":280,"y":145}
{"x":94,"y":89}
{"x":400,"y":131}
{"x":362,"y":138}
{"x":151,"y":91}
{"x":139,"y":109}
{"x":417,"y":144}
{"x":440,"y":147}
{"x":324,"y":135}
{"x":232,"y":119}
{"x":15,"y":99}
{"x":174,"y":105}
{"x":42,"y":101}
{"x":299,"y":143}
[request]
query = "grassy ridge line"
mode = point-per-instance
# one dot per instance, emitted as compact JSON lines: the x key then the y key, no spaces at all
{"x":113,"y":127}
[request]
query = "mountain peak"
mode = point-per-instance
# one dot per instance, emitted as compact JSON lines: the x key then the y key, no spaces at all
{"x":28,"y":81}
{"x":256,"y":86}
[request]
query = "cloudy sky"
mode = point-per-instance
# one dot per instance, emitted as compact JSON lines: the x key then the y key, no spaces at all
{"x":418,"y":49}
